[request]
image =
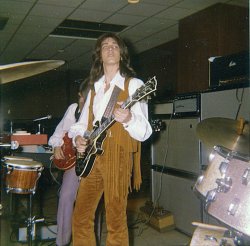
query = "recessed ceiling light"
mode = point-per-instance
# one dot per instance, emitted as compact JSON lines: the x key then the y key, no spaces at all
{"x":133,"y":1}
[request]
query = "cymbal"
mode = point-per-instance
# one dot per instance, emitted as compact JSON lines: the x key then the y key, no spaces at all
{"x":229,"y":133}
{"x":16,"y":71}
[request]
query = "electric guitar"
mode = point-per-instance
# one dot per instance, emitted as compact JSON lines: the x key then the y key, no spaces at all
{"x":85,"y":161}
{"x":69,"y":152}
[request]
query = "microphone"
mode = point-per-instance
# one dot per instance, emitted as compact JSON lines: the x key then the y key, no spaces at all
{"x":13,"y":145}
{"x":48,"y":117}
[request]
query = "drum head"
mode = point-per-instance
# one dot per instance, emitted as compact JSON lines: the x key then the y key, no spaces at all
{"x":5,"y":158}
{"x":23,"y":164}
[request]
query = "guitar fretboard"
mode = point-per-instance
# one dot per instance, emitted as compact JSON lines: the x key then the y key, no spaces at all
{"x":111,"y":104}
{"x":140,"y":93}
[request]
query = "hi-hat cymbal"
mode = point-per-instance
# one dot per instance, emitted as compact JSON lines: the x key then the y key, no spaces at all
{"x":16,"y":71}
{"x":229,"y":133}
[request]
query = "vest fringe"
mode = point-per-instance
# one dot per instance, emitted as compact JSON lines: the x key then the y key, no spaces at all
{"x":121,"y":158}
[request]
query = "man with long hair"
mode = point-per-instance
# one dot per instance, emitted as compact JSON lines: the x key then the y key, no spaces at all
{"x":112,"y":171}
{"x":70,"y":181}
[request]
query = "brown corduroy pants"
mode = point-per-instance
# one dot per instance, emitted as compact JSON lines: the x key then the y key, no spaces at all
{"x":90,"y":192}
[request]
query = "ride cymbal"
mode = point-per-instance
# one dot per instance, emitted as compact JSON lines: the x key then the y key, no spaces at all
{"x":16,"y":71}
{"x":229,"y":133}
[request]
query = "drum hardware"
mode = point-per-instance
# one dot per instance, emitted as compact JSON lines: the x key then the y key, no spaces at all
{"x":233,"y":207}
{"x":31,"y":223}
{"x":223,"y":167}
{"x":210,"y":197}
{"x":210,"y":238}
{"x":224,"y":184}
{"x":21,"y":177}
{"x":246,"y":177}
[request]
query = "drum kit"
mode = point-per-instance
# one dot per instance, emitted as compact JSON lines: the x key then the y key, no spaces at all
{"x":224,"y":186}
{"x":20,"y":175}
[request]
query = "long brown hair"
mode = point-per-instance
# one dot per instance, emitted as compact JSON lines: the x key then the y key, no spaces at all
{"x":84,"y":87}
{"x":97,"y":72}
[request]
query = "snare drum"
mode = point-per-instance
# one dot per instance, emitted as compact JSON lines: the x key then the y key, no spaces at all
{"x":216,"y":168}
{"x":21,"y":176}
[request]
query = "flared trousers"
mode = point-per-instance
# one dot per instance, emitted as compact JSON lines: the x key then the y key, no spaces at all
{"x":89,"y":194}
{"x":65,"y":207}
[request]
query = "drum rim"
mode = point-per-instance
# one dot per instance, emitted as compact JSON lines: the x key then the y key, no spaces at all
{"x":27,"y":165}
{"x":16,"y":158}
{"x":230,"y":154}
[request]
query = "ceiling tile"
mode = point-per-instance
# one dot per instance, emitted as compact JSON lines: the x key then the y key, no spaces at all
{"x":141,"y":9}
{"x":9,"y":29}
{"x":89,"y":15}
{"x":175,"y":13}
{"x":69,"y":3}
{"x":46,"y":10}
{"x":162,"y":2}
{"x":41,"y":21}
{"x":14,"y":19}
{"x":50,"y":46}
{"x":124,"y":19}
{"x":4,"y":39}
{"x":157,"y":39}
{"x":149,"y":27}
{"x":15,"y":7}
{"x":40,"y":31}
{"x":77,"y":48}
{"x":197,"y":4}
{"x":107,"y":5}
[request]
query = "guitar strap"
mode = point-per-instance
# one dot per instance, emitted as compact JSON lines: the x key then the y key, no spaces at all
{"x":77,"y":113}
{"x":110,"y":107}
{"x":111,"y":104}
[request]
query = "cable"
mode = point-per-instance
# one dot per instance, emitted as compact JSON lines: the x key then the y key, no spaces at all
{"x":141,"y":228}
{"x":50,"y":171}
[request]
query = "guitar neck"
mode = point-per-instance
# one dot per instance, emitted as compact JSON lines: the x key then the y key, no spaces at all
{"x":107,"y":122}
{"x":140,"y":93}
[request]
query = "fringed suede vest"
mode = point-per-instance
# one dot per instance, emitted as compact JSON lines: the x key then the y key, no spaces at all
{"x":121,"y":157}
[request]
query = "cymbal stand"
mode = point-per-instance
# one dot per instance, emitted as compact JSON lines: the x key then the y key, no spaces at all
{"x":31,"y":223}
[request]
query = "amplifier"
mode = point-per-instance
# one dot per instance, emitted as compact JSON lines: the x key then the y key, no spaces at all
{"x":187,"y":105}
{"x":229,"y":70}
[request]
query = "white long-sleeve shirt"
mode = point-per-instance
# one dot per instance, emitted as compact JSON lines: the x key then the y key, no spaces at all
{"x":64,"y":125}
{"x":138,"y":127}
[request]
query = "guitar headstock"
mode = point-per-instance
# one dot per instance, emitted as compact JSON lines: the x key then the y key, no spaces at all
{"x":149,"y":87}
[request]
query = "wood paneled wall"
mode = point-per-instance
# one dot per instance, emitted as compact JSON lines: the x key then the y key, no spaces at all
{"x":216,"y":31}
{"x":162,"y":63}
